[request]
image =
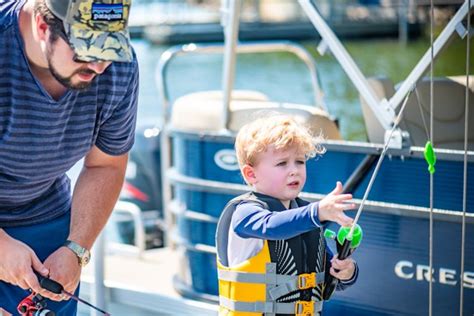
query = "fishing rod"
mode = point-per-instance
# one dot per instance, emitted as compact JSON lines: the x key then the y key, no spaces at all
{"x":35,"y":305}
{"x":349,"y":238}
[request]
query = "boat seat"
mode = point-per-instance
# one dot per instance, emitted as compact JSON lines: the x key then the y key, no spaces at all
{"x":448,"y":118}
{"x":202,"y":111}
{"x":383,"y":88}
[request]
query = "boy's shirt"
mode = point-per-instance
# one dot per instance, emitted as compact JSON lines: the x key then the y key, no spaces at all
{"x":251,"y":225}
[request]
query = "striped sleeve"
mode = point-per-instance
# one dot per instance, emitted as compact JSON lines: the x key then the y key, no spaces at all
{"x":117,"y":134}
{"x":250,"y":220}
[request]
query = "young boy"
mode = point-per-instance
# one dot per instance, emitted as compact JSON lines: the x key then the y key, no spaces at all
{"x":271,"y":252}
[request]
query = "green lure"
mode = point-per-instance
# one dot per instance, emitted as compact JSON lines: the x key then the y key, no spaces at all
{"x":430,"y":157}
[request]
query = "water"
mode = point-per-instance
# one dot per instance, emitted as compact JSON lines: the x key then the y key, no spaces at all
{"x":284,"y":78}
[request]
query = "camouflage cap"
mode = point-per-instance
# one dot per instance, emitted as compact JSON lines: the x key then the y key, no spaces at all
{"x":96,"y":29}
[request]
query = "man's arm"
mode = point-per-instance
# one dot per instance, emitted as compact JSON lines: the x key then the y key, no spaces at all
{"x":94,"y":197}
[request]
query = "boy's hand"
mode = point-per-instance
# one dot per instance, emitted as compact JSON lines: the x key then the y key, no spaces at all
{"x":332,"y":207}
{"x":346,"y":268}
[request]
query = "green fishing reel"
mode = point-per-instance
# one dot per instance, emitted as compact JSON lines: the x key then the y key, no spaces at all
{"x":341,"y":236}
{"x":345,"y":247}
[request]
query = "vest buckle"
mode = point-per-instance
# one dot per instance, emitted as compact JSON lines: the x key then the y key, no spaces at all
{"x":306,"y":281}
{"x":304,"y":308}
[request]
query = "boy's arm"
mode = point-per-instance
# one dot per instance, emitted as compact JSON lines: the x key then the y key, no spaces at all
{"x":250,"y":220}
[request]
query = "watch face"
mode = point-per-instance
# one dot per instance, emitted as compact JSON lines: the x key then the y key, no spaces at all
{"x":83,"y":255}
{"x":85,"y":260}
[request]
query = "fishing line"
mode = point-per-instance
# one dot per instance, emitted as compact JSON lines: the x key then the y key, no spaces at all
{"x":466,"y":136}
{"x":377,"y":167}
{"x":430,"y":295}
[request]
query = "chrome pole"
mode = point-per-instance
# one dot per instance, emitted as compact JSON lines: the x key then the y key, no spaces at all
{"x":98,"y":291}
{"x":384,"y":113}
{"x":230,"y":21}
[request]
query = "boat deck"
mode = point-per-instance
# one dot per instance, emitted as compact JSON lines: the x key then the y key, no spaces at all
{"x":142,"y":286}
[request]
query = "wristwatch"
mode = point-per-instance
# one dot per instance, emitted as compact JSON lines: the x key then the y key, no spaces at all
{"x":83,"y":255}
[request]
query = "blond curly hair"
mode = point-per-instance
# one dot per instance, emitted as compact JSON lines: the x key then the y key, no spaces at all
{"x":280,"y":131}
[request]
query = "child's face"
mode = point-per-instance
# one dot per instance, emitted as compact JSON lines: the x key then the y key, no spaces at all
{"x":280,"y":173}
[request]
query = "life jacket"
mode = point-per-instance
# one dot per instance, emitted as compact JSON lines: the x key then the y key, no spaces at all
{"x":285,"y":277}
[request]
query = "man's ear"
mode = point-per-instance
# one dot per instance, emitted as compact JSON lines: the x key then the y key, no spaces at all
{"x":41,"y":27}
{"x":249,"y":174}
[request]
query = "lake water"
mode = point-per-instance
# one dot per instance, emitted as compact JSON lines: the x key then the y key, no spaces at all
{"x":284,"y":78}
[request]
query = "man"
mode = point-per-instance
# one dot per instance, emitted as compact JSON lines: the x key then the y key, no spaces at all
{"x":68,"y":90}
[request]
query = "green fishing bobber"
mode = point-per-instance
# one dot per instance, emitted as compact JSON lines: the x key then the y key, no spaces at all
{"x":356,"y":236}
{"x":430,"y":157}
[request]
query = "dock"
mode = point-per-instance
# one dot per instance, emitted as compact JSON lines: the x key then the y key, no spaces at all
{"x":142,"y":285}
{"x":174,"y":23}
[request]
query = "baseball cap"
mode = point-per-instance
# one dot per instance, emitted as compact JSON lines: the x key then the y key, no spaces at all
{"x":97,"y":30}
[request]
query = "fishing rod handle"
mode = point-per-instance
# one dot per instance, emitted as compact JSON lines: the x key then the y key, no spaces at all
{"x":48,"y":284}
{"x":331,"y":281}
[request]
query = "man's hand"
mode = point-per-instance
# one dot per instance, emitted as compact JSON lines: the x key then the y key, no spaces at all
{"x":17,"y":263}
{"x":332,"y":207}
{"x":64,"y":269}
{"x":346,"y":268}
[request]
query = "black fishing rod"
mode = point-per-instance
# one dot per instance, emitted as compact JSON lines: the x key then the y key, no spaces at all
{"x":348,"y":238}
{"x":34,"y":304}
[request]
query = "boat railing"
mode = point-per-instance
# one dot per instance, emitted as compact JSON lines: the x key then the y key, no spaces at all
{"x":162,"y":86}
{"x":130,"y":210}
{"x":243,"y":48}
{"x":98,"y":290}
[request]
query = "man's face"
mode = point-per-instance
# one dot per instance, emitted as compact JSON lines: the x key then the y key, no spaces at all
{"x":70,"y":73}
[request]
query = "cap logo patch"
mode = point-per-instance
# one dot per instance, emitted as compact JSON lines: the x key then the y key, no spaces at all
{"x":107,"y":12}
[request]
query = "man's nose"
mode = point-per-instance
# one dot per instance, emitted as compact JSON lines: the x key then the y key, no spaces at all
{"x":99,"y":67}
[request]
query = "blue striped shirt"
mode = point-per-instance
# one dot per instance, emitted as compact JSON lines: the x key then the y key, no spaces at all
{"x":41,"y":138}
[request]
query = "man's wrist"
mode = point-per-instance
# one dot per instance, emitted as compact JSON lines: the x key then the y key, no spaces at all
{"x":83,"y":254}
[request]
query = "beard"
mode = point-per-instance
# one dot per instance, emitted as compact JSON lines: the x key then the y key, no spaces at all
{"x":67,"y":80}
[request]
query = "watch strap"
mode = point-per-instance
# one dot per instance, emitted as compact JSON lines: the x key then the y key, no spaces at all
{"x":83,"y":255}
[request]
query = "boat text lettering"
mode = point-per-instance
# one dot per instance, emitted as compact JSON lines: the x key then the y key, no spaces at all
{"x":408,"y":270}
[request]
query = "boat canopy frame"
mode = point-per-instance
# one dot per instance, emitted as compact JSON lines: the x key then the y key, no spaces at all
{"x":384,"y":110}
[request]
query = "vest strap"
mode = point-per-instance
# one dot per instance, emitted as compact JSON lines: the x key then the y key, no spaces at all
{"x":299,"y":282}
{"x":297,"y":308}
{"x":259,"y":278}
{"x":284,"y":284}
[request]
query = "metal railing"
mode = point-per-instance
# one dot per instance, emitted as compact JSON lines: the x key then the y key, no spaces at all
{"x":243,"y":48}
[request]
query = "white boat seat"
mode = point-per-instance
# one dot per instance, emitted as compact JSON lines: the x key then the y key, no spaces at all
{"x":383,"y":88}
{"x":202,"y":111}
{"x":448,"y":118}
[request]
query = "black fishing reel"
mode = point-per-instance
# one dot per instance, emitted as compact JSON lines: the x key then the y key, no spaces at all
{"x":34,"y":305}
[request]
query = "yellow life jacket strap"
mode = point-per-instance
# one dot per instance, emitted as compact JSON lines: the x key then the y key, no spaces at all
{"x":284,"y":284}
{"x":268,"y":308}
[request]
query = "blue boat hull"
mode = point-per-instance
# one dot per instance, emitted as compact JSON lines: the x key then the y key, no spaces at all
{"x":394,"y":255}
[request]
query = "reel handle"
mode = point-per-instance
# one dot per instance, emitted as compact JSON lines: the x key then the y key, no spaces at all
{"x":331,"y":281}
{"x":345,"y":247}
